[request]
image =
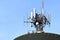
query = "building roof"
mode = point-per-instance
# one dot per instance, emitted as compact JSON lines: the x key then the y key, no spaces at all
{"x":39,"y":36}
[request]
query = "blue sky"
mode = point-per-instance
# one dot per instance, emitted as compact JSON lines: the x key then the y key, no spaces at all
{"x":14,"y":12}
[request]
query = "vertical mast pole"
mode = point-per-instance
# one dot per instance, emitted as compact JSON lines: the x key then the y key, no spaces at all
{"x":42,"y":14}
{"x":42,"y":6}
{"x":34,"y":12}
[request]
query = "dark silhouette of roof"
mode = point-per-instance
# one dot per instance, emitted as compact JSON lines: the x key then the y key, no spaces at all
{"x":39,"y":36}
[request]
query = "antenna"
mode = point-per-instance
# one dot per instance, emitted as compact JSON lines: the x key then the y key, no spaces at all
{"x":42,"y":6}
{"x":31,"y":16}
{"x":48,"y":16}
{"x":34,"y":12}
{"x":31,"y":20}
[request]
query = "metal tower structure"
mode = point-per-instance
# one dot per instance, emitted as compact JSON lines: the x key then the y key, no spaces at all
{"x":38,"y":20}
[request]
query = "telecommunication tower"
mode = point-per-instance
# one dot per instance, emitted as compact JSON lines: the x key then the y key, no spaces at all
{"x":39,"y":20}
